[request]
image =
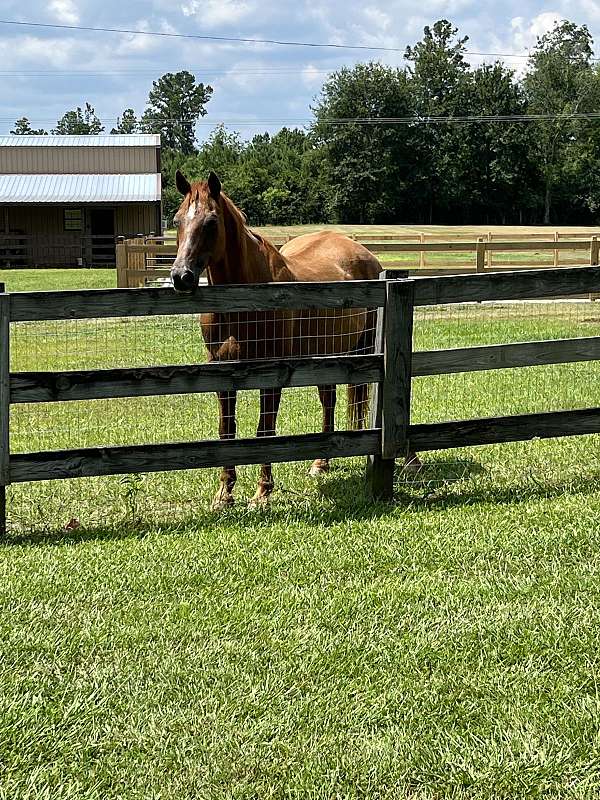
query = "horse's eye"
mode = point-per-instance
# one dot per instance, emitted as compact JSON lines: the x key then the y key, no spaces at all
{"x":175,"y":222}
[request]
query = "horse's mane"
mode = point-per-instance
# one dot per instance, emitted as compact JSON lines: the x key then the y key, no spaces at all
{"x":236,"y":222}
{"x":274,"y":258}
{"x":241,"y":219}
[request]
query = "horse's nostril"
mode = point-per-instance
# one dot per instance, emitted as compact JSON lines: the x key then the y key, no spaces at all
{"x":183,"y":281}
{"x":187,"y":280}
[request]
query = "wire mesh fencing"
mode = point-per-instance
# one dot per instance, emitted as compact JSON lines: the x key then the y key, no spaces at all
{"x":93,"y":344}
{"x":179,"y":340}
{"x":502,"y":392}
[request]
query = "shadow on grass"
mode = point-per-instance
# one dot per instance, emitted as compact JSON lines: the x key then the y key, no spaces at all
{"x":339,"y":496}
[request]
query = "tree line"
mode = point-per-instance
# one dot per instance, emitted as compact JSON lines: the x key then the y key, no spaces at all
{"x":453,"y":144}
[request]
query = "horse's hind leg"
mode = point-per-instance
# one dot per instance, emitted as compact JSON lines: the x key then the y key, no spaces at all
{"x":227,"y":402}
{"x":269,"y":406}
{"x":327,"y":396}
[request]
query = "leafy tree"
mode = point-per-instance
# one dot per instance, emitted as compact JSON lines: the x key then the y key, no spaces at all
{"x":221,"y":153}
{"x":561,"y":82}
{"x":174,"y":105}
{"x":438,"y":85}
{"x":128,"y":123}
{"x":367,"y":165}
{"x":23,"y":128}
{"x":497,"y":154}
{"x":79,"y":122}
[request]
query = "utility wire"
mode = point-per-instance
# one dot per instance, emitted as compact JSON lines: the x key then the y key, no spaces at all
{"x":237,"y":39}
{"x":412,"y":120}
{"x":197,"y":70}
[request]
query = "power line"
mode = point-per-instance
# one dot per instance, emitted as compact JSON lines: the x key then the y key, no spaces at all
{"x":411,"y":120}
{"x":197,"y":70}
{"x":244,"y":39}
{"x":237,"y":39}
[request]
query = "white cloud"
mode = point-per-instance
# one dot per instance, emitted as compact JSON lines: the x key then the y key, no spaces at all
{"x":312,"y":76}
{"x":377,"y":17}
{"x":34,"y":51}
{"x":65,"y":11}
{"x":141,"y":43}
{"x":525,"y":33}
{"x":590,"y":10}
{"x":217,"y":12}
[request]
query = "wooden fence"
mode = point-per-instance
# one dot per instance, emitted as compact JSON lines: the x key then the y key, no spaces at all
{"x":390,"y":368}
{"x":144,"y":260}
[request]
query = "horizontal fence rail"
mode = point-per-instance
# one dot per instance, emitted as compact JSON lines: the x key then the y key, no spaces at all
{"x":104,"y":303}
{"x":217,"y":376}
{"x":500,"y":430}
{"x":505,"y":356}
{"x":494,"y":286}
{"x":90,"y":461}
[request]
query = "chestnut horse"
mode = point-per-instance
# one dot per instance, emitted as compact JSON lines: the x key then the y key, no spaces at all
{"x":212,"y":235}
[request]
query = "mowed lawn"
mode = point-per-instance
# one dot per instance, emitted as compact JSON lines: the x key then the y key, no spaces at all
{"x":444,"y":645}
{"x":37,"y":280}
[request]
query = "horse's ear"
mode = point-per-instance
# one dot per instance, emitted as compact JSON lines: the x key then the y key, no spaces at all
{"x":182,"y":183}
{"x":214,"y":185}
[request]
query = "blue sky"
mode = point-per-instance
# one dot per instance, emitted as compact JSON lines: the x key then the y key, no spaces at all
{"x":256,"y":87}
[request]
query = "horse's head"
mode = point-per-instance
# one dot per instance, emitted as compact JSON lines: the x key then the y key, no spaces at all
{"x":200,"y":234}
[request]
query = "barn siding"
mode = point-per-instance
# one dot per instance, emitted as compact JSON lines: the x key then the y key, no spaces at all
{"x":40,"y":239}
{"x":133,"y":219}
{"x":80,"y":160}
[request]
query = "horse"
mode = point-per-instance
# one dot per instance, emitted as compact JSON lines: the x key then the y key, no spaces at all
{"x":212,"y":235}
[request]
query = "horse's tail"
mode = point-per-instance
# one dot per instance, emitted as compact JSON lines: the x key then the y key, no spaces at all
{"x":358,"y":393}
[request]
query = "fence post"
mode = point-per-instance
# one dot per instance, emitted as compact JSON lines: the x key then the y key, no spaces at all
{"x":4,"y":403}
{"x":121,"y":261}
{"x":556,"y":239}
{"x":594,"y":260}
{"x":422,"y":253}
{"x":390,"y":409}
{"x":489,"y":255}
{"x":480,"y":255}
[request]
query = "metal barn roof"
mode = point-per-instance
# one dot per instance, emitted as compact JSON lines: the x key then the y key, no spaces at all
{"x":79,"y":188}
{"x":116,"y":140}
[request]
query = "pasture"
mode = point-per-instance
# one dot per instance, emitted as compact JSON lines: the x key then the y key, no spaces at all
{"x":445,"y":645}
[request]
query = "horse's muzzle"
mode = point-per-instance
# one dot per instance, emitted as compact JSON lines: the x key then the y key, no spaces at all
{"x":184,"y":280}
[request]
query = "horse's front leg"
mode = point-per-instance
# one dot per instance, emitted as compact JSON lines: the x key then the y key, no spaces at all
{"x":269,"y":406}
{"x":327,"y":396}
{"x":224,"y":497}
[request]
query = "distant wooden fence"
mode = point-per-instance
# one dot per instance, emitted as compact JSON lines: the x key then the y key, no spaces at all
{"x":68,"y":249}
{"x":390,"y":368}
{"x":145,"y":260}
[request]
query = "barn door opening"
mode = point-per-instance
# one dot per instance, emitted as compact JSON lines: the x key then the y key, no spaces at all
{"x":102,"y":229}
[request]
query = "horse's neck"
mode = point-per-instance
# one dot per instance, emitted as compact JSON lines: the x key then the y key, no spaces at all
{"x":246,"y":259}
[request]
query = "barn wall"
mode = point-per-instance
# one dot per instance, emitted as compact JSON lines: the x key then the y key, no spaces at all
{"x":81,"y":160}
{"x":43,"y":241}
{"x":35,"y":235}
{"x":132,"y":219}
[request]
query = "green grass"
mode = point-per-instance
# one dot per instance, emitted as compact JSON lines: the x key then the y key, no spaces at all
{"x":35,"y":280}
{"x":442,"y":646}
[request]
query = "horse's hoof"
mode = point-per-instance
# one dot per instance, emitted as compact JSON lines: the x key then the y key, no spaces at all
{"x":221,"y":502}
{"x":318,"y":469}
{"x":259,"y":502}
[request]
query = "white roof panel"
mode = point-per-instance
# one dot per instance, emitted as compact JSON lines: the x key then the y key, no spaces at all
{"x":80,"y":188}
{"x":102,"y":140}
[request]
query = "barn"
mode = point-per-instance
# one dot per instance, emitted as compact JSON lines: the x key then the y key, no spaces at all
{"x":64,"y":200}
